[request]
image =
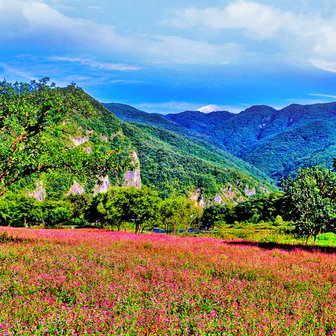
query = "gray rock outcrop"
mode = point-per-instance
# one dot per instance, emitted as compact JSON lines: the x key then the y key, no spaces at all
{"x":76,"y":189}
{"x":39,"y":193}
{"x":132,"y":178}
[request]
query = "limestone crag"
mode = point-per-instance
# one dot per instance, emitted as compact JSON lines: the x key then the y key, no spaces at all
{"x":103,"y":185}
{"x":76,"y":189}
{"x":39,"y":193}
{"x":249,"y":192}
{"x":80,"y":140}
{"x":132,"y":178}
{"x":218,"y":199}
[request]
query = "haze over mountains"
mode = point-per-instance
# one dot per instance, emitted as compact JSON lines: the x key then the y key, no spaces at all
{"x":277,"y":142}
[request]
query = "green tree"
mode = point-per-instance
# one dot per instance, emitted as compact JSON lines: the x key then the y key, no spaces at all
{"x":216,"y":214}
{"x":312,"y":200}
{"x":20,"y":210}
{"x":57,"y":213}
{"x":129,"y":204}
{"x":179,"y":213}
{"x":80,"y":205}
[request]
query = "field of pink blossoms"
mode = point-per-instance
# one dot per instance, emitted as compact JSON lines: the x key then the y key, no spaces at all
{"x":91,"y":282}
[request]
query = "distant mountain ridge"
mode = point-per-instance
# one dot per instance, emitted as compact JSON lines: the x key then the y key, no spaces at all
{"x":277,"y":142}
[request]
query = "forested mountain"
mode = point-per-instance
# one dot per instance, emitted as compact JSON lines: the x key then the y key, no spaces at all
{"x":199,"y":122}
{"x":130,"y":114}
{"x":64,"y":142}
{"x":277,"y":142}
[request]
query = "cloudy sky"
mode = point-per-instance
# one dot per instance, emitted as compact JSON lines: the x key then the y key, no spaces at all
{"x":169,"y":56}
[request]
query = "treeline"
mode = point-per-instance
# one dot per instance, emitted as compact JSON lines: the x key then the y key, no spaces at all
{"x":119,"y":208}
{"x":308,"y":201}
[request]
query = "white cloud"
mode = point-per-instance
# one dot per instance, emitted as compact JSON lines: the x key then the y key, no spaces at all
{"x":34,"y":20}
{"x":323,"y":95}
{"x":210,"y":108}
{"x":213,"y":108}
{"x":297,"y":36}
{"x":260,"y":21}
{"x":324,"y":65}
{"x":182,"y":50}
{"x":96,"y":65}
{"x":14,"y":73}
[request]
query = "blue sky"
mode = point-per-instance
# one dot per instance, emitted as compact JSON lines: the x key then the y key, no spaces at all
{"x":170,"y":56}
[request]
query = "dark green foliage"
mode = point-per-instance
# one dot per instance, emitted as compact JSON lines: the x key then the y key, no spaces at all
{"x":179,"y":213}
{"x":80,"y":205}
{"x":128,"y":205}
{"x":216,"y":214}
{"x":312,"y":200}
{"x":20,"y":210}
{"x":56,"y":213}
{"x":267,"y":208}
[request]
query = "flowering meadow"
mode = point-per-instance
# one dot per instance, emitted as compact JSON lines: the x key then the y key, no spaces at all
{"x":92,"y":282}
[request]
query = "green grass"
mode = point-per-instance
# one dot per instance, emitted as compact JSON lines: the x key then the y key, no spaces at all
{"x":269,"y":232}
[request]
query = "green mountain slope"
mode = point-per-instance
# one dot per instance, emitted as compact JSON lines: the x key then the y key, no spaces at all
{"x":130,"y":114}
{"x":308,"y":145}
{"x":173,"y":164}
{"x":277,"y":142}
{"x":80,"y":148}
{"x":176,"y":159}
{"x":198,"y":122}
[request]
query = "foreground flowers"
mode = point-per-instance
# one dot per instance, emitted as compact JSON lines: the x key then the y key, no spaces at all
{"x":77,"y":282}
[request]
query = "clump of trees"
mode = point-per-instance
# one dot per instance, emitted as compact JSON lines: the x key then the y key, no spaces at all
{"x":29,"y":113}
{"x":143,"y":209}
{"x":120,"y":207}
{"x":267,"y":208}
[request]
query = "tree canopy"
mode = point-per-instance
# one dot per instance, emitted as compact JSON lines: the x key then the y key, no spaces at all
{"x":128,"y":204}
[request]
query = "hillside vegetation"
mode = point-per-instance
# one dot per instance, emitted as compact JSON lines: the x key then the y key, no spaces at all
{"x":171,"y":163}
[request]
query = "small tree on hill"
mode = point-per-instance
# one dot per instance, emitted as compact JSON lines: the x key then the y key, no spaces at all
{"x":312,"y":200}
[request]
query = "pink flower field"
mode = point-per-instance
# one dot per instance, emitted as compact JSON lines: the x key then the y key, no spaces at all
{"x":92,"y":282}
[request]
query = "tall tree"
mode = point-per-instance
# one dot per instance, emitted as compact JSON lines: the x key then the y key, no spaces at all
{"x":312,"y":200}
